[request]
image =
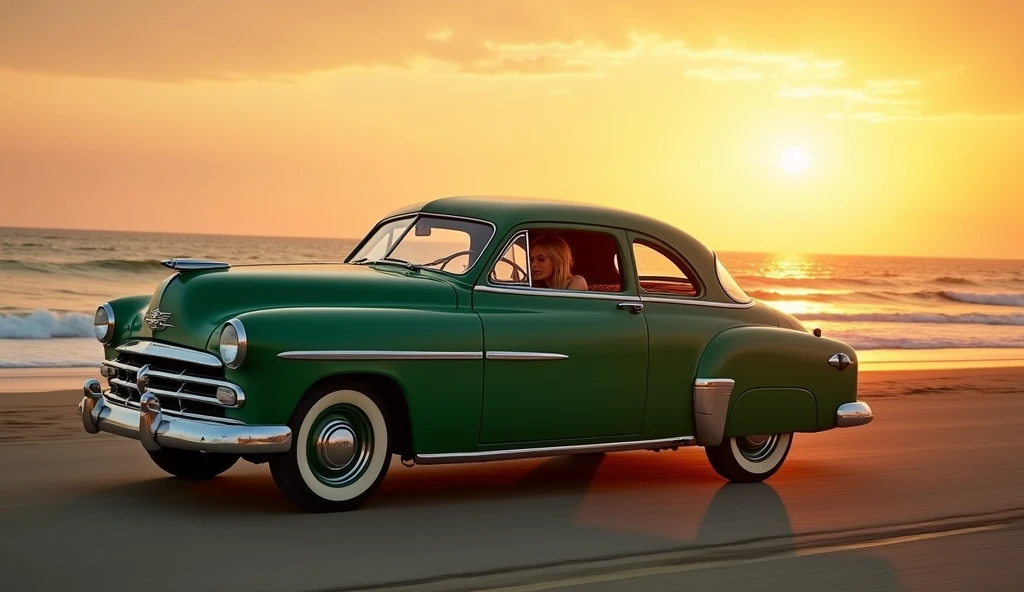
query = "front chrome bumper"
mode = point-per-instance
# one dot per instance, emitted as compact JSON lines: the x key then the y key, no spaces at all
{"x":157,"y":430}
{"x":853,"y":414}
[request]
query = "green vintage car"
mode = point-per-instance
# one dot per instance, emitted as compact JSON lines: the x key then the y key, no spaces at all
{"x":461,"y":330}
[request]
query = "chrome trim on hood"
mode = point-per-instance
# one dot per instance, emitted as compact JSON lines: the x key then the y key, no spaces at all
{"x":194,"y":264}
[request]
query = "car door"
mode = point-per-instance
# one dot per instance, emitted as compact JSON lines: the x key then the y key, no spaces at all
{"x":561,"y":364}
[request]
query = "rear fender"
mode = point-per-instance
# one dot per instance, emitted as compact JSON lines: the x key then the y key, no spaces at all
{"x":781,"y":381}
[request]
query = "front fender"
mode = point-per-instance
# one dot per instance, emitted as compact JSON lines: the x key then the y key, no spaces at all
{"x":443,"y":396}
{"x":128,"y":314}
{"x":783,"y":381}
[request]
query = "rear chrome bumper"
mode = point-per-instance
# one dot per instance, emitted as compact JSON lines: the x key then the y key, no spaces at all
{"x":853,"y":414}
{"x":157,"y":430}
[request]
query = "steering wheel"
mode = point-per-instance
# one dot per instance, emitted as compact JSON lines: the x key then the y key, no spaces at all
{"x":519,"y":273}
{"x":443,"y":261}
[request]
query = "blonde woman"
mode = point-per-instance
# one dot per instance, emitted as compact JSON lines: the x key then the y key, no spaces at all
{"x":551,"y":265}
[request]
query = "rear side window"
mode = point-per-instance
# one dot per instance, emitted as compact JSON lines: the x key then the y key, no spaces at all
{"x":660,"y":272}
{"x":729,"y":284}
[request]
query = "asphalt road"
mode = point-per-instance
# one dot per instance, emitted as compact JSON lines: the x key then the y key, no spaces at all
{"x":928,"y":497}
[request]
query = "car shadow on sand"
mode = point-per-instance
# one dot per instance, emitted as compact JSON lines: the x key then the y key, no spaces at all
{"x":501,"y":517}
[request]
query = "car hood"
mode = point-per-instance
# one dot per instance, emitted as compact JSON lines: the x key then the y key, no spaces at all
{"x":198,"y":302}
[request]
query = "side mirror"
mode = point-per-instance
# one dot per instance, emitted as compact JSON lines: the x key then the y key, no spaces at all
{"x":422,"y":230}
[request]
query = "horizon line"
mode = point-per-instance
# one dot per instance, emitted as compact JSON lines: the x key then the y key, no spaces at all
{"x":357,"y":239}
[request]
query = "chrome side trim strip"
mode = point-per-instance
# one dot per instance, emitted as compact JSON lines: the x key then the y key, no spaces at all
{"x":380,"y":355}
{"x":163,"y":350}
{"x":515,"y":355}
{"x":517,"y":453}
{"x":194,"y":264}
{"x":618,"y":296}
{"x":695,"y":302}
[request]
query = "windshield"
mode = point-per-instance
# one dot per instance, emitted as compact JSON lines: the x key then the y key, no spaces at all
{"x":450,"y":245}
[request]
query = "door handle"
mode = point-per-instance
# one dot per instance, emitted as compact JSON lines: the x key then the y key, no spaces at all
{"x":634,"y":307}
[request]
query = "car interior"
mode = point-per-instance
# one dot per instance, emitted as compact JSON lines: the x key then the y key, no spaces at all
{"x":596,"y":258}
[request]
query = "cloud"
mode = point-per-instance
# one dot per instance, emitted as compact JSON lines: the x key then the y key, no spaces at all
{"x":860,"y":52}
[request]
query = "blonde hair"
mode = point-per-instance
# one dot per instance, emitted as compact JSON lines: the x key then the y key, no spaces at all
{"x":561,"y":259}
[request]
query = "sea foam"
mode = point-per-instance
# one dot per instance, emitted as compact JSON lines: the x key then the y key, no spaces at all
{"x":45,"y":324}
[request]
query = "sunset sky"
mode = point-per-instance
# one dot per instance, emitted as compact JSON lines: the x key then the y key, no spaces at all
{"x":872,"y":127}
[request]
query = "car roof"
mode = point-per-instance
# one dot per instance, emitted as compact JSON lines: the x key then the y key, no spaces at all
{"x":506,"y":212}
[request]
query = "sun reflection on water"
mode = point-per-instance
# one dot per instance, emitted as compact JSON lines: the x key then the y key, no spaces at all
{"x":798,"y":267}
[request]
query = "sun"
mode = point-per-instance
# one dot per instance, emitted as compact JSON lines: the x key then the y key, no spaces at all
{"x":794,"y":160}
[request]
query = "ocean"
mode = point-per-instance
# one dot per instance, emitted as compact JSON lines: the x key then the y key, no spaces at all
{"x":52,"y":280}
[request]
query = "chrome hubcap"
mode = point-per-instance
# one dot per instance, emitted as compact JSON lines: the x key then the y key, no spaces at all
{"x":336,"y":445}
{"x":340,"y":445}
{"x":757,"y":448}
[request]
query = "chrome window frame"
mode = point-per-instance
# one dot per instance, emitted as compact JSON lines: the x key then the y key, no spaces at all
{"x":505,"y":247}
{"x":648,"y":241}
{"x":419,"y":214}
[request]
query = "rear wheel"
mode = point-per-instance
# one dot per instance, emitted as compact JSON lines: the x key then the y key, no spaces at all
{"x":749,"y":459}
{"x":341,"y":452}
{"x":189,"y":464}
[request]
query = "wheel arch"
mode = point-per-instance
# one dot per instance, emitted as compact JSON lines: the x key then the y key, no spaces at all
{"x":389,"y":389}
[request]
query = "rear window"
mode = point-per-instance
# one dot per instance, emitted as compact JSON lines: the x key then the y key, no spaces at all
{"x":729,"y":284}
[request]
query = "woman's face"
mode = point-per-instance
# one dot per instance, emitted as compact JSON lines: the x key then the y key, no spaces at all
{"x":541,"y":265}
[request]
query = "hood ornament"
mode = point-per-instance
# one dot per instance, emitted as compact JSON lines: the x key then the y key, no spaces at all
{"x":157,"y":320}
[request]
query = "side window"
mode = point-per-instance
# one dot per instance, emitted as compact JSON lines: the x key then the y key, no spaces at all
{"x":512,"y":268}
{"x":560,"y":259}
{"x":659,"y":273}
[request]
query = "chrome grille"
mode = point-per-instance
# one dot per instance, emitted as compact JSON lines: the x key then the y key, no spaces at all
{"x":183,"y":386}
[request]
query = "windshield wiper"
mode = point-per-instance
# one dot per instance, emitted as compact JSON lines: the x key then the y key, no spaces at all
{"x":390,"y":261}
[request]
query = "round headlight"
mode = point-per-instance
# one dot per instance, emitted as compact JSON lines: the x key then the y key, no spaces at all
{"x":232,"y":343}
{"x":103,"y":323}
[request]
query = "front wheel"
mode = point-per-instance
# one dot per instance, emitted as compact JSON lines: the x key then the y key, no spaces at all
{"x":189,"y":464}
{"x":341,"y":452}
{"x":749,"y":459}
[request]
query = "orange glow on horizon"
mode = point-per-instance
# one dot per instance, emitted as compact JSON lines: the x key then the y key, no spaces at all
{"x":809,"y":128}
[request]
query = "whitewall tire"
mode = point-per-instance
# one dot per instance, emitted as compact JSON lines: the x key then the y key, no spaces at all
{"x":749,"y":459}
{"x":341,"y":451}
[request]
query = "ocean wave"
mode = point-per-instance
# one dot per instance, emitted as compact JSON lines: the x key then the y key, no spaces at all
{"x":917,"y":317}
{"x":999,"y":299}
{"x":819,"y":295}
{"x":125,"y":265}
{"x":84,"y":362}
{"x":45,"y":324}
{"x":756,"y":281}
{"x":868,"y":342}
{"x":952,"y":280}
